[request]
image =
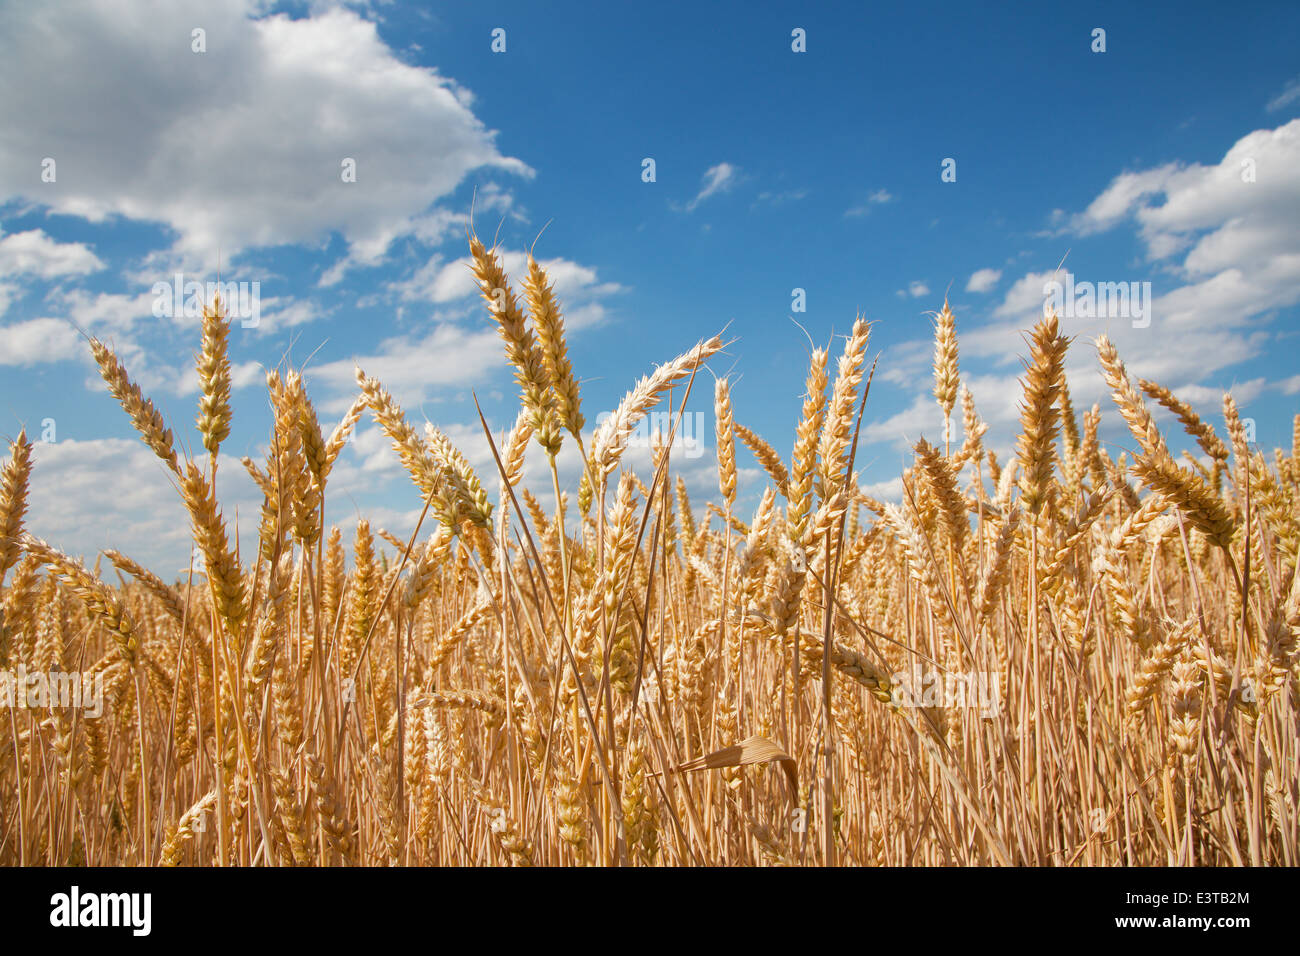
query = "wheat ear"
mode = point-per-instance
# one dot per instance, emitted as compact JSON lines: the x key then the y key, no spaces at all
{"x":213,"y":365}
{"x":1038,"y":413}
{"x":13,"y":500}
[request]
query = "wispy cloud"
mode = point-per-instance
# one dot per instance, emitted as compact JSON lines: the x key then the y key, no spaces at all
{"x":717,"y":179}
{"x":1290,"y":93}
{"x":878,"y":198}
{"x":780,"y":198}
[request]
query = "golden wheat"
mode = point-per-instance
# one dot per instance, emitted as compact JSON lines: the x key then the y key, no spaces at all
{"x":637,"y":683}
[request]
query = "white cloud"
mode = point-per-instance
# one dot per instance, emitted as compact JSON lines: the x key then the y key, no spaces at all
{"x":433,"y":228}
{"x":891,"y":489}
{"x":1290,"y":93}
{"x":903,"y":362}
{"x":779,"y":199}
{"x":88,"y":495}
{"x":915,"y":290}
{"x":878,"y":198}
{"x":996,"y":398}
{"x":1117,"y":200}
{"x":413,"y":366}
{"x":39,"y":340}
{"x":278,"y":314}
{"x":242,"y":375}
{"x":335,"y":273}
{"x":35,"y":253}
{"x":982,"y":280}
{"x":717,"y":179}
{"x":113,"y":310}
{"x":1211,"y":399}
{"x":1239,"y":213}
{"x":443,"y":282}
{"x":1240,"y":261}
{"x":1026,"y":296}
{"x":1226,"y":258}
{"x":142,"y":127}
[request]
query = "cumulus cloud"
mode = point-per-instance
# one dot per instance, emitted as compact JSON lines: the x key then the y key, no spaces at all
{"x":982,"y":280}
{"x":1244,"y":393}
{"x":891,"y":489}
{"x":414,"y":366}
{"x":460,"y":343}
{"x":105,"y":310}
{"x":444,"y":281}
{"x":1223,"y":256}
{"x":269,"y":114}
{"x":114,"y":493}
{"x":1026,"y":297}
{"x":285,"y":313}
{"x":996,"y":399}
{"x":242,"y":375}
{"x":36,"y":254}
{"x":1238,"y":213}
{"x":38,"y":340}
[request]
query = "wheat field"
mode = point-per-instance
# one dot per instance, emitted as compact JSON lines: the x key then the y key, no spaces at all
{"x":1061,"y":659}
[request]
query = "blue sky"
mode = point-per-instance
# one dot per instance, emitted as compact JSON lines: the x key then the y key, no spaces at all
{"x":775,"y":171}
